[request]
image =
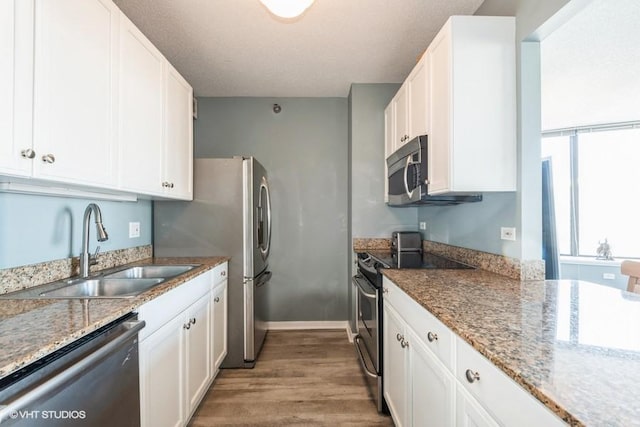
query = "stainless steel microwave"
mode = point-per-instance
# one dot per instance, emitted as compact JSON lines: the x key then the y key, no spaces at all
{"x":408,"y":182}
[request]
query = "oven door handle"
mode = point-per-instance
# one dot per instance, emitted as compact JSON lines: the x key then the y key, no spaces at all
{"x":357,"y":339}
{"x":406,"y":181}
{"x":357,"y":281}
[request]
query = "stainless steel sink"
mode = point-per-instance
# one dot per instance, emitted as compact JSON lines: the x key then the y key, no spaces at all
{"x":151,"y":271}
{"x":102,"y":288}
{"x":123,"y":283}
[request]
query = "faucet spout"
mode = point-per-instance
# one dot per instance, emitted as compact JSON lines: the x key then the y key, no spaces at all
{"x":85,"y":257}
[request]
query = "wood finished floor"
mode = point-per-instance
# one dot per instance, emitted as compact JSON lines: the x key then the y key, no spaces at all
{"x":302,"y":378}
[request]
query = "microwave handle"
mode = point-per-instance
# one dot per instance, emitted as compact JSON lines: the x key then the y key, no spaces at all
{"x":406,"y":184}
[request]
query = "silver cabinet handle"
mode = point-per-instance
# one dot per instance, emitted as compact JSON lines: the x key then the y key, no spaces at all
{"x":216,"y":299}
{"x":48,"y":158}
{"x":165,"y":184}
{"x":28,"y":153}
{"x":385,"y":290}
{"x":472,"y":376}
{"x":432,"y":337}
{"x":171,"y":185}
{"x":187,"y":325}
{"x":192,"y":320}
{"x":224,"y":273}
{"x":399,"y":337}
{"x":404,"y":344}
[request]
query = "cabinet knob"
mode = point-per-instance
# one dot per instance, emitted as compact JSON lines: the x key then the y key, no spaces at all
{"x":399,"y":337}
{"x":472,"y":376}
{"x":216,"y":299}
{"x":432,"y":337}
{"x":224,"y":273}
{"x":187,"y":325}
{"x":404,"y":344}
{"x":192,"y":320}
{"x":165,"y":184}
{"x":48,"y":158}
{"x":171,"y":185}
{"x":385,"y":290}
{"x":28,"y":153}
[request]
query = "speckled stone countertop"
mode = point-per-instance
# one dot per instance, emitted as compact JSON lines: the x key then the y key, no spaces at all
{"x":574,"y":345}
{"x":30,"y":329}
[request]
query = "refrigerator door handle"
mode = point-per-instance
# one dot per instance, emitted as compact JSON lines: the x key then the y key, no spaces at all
{"x":266,"y":245}
{"x":264,"y":279}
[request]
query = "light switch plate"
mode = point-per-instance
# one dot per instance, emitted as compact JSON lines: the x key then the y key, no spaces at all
{"x":134,"y":229}
{"x":423,"y":225}
{"x":609,"y":276}
{"x":508,"y":233}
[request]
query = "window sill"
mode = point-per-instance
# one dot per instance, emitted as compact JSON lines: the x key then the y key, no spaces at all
{"x":590,"y":261}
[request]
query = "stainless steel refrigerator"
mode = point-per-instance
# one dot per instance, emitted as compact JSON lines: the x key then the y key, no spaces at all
{"x":230,"y":215}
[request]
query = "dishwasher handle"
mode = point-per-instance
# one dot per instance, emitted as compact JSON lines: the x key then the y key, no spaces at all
{"x":53,"y":384}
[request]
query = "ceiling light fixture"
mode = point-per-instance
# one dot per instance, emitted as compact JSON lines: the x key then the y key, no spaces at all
{"x":287,"y":8}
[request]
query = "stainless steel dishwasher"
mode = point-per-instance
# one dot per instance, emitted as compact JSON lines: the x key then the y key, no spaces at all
{"x":90,"y":382}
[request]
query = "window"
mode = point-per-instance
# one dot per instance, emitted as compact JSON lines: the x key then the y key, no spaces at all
{"x":596,"y":185}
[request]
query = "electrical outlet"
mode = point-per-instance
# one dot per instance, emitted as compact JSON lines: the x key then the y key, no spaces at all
{"x":608,"y":276}
{"x":134,"y":229}
{"x":423,"y":225}
{"x":508,"y":233}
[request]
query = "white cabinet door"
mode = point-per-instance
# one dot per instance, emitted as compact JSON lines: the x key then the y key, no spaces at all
{"x":198,"y":351}
{"x":439,"y":57}
{"x":178,"y":137}
{"x":431,"y":387}
{"x":162,"y":361}
{"x":76,"y":54}
{"x":140,"y":112}
{"x":401,"y":117}
{"x":219,"y":327}
{"x":395,"y":366}
{"x":418,"y":89}
{"x":16,"y":86}
{"x":469,"y":413}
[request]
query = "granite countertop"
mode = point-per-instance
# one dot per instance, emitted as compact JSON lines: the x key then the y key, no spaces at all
{"x":31,"y":329}
{"x":574,"y":345}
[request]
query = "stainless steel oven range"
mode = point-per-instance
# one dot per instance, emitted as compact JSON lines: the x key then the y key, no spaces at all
{"x":369,"y":298}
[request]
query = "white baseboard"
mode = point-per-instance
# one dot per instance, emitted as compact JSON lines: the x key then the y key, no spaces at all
{"x":329,"y":324}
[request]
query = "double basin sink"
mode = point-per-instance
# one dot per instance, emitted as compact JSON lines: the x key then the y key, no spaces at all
{"x":124,"y":283}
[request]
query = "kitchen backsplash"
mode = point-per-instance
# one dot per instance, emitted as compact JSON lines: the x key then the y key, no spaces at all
{"x":499,"y":264}
{"x":14,"y":279}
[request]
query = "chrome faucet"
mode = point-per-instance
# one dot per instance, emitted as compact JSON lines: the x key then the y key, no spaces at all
{"x":85,"y":258}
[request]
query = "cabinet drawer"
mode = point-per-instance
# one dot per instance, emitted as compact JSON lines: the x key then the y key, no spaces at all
{"x":506,"y":400}
{"x":161,"y":310}
{"x":435,"y":335}
{"x":220,"y":273}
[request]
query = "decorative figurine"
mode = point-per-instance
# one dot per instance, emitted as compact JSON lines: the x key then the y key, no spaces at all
{"x":604,"y":250}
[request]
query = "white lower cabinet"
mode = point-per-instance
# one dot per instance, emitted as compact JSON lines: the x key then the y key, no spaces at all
{"x":178,"y":358}
{"x":219,"y":317}
{"x":196,"y":331}
{"x":433,"y":378}
{"x":418,"y":389}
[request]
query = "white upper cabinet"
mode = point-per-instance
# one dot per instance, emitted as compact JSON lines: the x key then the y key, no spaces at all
{"x":178,"y":137}
{"x":87,"y":101}
{"x":16,"y":92}
{"x":418,"y":99}
{"x":400,"y":117}
{"x":75,"y":80}
{"x":472,"y":138}
{"x":141,"y":112}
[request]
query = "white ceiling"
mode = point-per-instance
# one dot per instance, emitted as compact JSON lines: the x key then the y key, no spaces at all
{"x":591,"y":67}
{"x":237,"y":48}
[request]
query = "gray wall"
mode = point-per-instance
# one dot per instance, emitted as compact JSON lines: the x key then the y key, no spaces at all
{"x":371,"y":216}
{"x":35,"y":229}
{"x":304,"y":149}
